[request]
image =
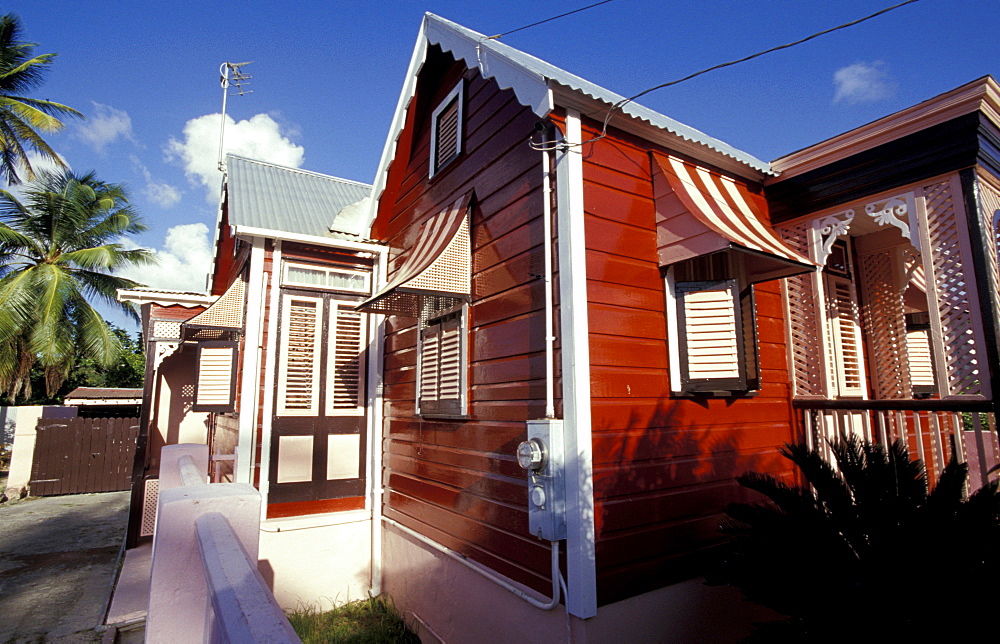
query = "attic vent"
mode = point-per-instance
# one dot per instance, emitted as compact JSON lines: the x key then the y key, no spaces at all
{"x":446,"y":134}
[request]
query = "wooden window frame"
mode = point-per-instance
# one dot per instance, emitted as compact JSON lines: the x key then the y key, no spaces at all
{"x":285,"y":281}
{"x":281,"y":408}
{"x":457,"y":94}
{"x":230,"y":406}
{"x":434,"y":326}
{"x":744,"y":329}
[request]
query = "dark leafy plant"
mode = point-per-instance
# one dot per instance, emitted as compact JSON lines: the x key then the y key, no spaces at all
{"x":864,"y":551}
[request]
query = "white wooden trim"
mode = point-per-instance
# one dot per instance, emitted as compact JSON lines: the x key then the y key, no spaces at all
{"x":280,"y":235}
{"x":673,"y":345}
{"x":269,"y":375}
{"x":581,"y":565}
{"x":374,"y":429}
{"x":252,"y":353}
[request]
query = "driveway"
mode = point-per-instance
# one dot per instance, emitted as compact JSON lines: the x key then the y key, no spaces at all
{"x":57,"y":560}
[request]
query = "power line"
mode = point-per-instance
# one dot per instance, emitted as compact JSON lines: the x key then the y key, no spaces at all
{"x":622,"y":103}
{"x":541,"y":22}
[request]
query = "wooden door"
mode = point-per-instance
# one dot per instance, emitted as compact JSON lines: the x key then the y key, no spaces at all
{"x":317,"y":438}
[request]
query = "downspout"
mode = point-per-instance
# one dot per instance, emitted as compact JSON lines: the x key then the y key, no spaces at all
{"x":581,"y":568}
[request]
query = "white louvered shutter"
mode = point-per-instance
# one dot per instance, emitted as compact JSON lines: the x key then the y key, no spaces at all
{"x":442,"y":366}
{"x":298,"y":379}
{"x":847,"y":359}
{"x":430,"y":358}
{"x":345,"y":379}
{"x":711,"y":336}
{"x":216,"y":384}
{"x":918,"y":347}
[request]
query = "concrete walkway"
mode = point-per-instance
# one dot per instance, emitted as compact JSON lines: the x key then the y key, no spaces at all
{"x":57,"y":561}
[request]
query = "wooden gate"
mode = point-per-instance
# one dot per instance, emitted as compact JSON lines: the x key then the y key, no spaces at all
{"x":80,"y":455}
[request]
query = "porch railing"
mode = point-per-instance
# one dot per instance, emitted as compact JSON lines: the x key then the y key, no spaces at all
{"x":933,"y":430}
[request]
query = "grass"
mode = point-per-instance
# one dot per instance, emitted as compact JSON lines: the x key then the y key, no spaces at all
{"x":367,"y":620}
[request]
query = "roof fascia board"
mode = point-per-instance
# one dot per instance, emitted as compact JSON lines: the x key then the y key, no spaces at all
{"x":248,"y":232}
{"x":163,"y":298}
{"x":598,"y":110}
{"x":982,"y":95}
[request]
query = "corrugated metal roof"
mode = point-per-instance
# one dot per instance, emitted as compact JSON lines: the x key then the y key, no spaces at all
{"x":477,"y":50}
{"x":103,"y":392}
{"x":273,"y":197}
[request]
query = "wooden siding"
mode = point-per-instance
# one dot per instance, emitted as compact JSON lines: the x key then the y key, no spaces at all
{"x":664,"y":467}
{"x":456,"y":480}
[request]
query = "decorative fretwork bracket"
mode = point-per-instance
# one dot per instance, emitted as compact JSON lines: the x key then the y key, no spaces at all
{"x":828,"y":229}
{"x":163,"y":351}
{"x":898,"y":211}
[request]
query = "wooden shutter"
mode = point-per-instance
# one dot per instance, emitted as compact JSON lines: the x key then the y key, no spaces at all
{"x":919,"y":356}
{"x":442,"y":366}
{"x":446,"y":130}
{"x":298,"y":378}
{"x":345,"y":379}
{"x":215,"y":387}
{"x":847,"y":359}
{"x":711,"y":336}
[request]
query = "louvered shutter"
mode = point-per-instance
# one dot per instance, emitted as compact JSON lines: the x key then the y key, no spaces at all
{"x":215,"y":387}
{"x":846,"y":359}
{"x":918,"y":348}
{"x":711,"y":336}
{"x":442,"y":366}
{"x":298,"y":379}
{"x":446,"y":130}
{"x":345,"y":379}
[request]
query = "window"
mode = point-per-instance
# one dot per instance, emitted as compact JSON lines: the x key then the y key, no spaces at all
{"x":442,"y":358}
{"x":446,"y":130}
{"x":713,"y":337}
{"x":335,"y":279}
{"x":215,"y":388}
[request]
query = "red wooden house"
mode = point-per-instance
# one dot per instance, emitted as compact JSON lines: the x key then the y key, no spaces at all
{"x":574,"y":337}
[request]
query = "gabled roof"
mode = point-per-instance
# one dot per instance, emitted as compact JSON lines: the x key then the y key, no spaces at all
{"x":541,"y":86}
{"x":266,"y":196}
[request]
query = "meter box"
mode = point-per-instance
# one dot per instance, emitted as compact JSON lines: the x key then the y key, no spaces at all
{"x":543,"y":456}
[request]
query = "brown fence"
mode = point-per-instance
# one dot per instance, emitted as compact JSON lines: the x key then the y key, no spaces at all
{"x":79,"y":455}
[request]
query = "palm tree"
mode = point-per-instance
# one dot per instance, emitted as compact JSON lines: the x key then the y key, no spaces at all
{"x":22,"y":118}
{"x":60,"y":246}
{"x":864,"y":551}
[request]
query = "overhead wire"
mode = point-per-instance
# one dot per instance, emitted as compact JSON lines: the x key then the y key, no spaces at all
{"x":622,"y":103}
{"x":542,"y":22}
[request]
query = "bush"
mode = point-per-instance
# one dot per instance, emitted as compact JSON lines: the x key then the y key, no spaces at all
{"x":865,"y":551}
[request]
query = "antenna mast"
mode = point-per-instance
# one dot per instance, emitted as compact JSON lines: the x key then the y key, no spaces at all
{"x":239,"y":79}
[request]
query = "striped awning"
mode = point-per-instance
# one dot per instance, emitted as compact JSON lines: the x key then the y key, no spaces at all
{"x":438,"y":265}
{"x":701,"y":212}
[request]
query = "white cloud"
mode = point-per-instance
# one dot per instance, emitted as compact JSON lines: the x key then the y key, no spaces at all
{"x":184,"y":261}
{"x":106,"y":125}
{"x":162,"y":194}
{"x":259,"y":137}
{"x":863,"y":83}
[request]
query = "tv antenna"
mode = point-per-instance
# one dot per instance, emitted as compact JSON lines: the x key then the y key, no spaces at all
{"x":238,"y":80}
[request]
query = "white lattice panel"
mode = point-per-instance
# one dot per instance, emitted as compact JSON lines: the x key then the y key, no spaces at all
{"x":166,"y":329}
{"x":803,"y":320}
{"x":953,"y":290}
{"x":990,"y":205}
{"x":150,"y":496}
{"x":885,"y":324}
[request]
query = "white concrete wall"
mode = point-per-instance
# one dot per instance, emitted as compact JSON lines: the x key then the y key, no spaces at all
{"x":321,"y":560}
{"x":454,"y":604}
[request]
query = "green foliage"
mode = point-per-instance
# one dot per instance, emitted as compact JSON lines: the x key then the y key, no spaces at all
{"x":865,"y":551}
{"x":373,"y":620}
{"x":22,"y":118}
{"x":60,"y":246}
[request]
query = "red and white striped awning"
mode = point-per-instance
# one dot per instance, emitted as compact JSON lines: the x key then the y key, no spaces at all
{"x":701,"y":212}
{"x":437,"y":265}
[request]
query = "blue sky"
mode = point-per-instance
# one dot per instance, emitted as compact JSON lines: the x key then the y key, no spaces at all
{"x":326,"y":77}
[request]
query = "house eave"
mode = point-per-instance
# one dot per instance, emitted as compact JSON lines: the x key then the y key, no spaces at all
{"x":248,"y":232}
{"x":165,"y":298}
{"x":982,"y":95}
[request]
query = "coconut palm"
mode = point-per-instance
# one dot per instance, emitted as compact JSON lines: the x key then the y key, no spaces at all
{"x":864,"y":551}
{"x":60,"y":246}
{"x":22,"y":118}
